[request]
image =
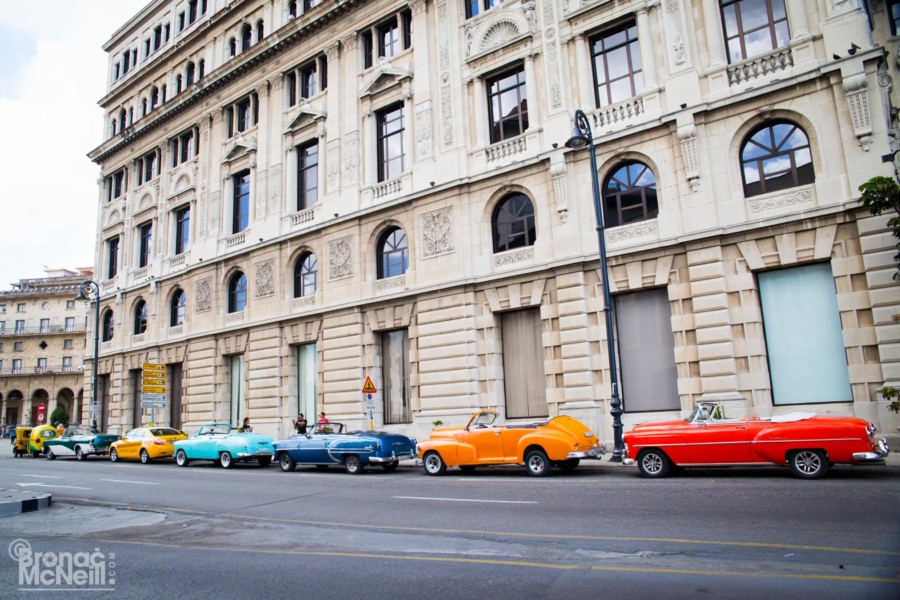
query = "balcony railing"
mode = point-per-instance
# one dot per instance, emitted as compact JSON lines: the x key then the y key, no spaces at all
{"x":760,"y":66}
{"x":42,"y":329}
{"x":618,"y":115}
{"x":506,"y":149}
{"x":49,"y":369}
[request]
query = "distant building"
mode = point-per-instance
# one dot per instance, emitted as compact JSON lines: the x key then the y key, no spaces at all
{"x":42,"y":346}
{"x":296,"y":195}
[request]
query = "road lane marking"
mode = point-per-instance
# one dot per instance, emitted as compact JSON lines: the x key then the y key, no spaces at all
{"x":484,"y":532}
{"x":513,"y":563}
{"x":463,"y":500}
{"x":49,"y":485}
{"x":44,"y":476}
{"x":126,"y":481}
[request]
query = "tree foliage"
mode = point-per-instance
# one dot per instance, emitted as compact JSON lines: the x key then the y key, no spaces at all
{"x":59,"y":415}
{"x":882,"y":195}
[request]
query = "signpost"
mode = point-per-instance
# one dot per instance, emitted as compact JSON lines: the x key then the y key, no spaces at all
{"x":40,"y":416}
{"x":369,"y":389}
{"x":153,"y":387}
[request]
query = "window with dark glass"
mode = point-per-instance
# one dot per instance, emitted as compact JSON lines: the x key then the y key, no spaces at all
{"x":618,"y":73}
{"x":184,"y":147}
{"x":242,"y":115}
{"x":246,"y":37}
{"x":178,"y":84}
{"x":513,"y":223}
{"x":307,"y":175}
{"x":306,"y":273}
{"x":240,"y":214}
{"x":108,"y":327}
{"x":189,"y":74}
{"x":201,"y":66}
{"x":112,"y":257}
{"x":893,"y":7}
{"x":260,"y":31}
{"x":309,"y":4}
{"x":776,"y":157}
{"x":308,"y":81}
{"x":192,"y":11}
{"x":507,"y":105}
{"x":232,"y":47}
{"x":116,"y":185}
{"x":395,"y":376}
{"x":292,"y":8}
{"x":476,"y":7}
{"x":390,"y":142}
{"x":178,"y":308}
{"x":367,"y":46}
{"x":393,"y":253}
{"x":182,"y":229}
{"x":140,"y":318}
{"x":388,"y":39}
{"x":145,"y":244}
{"x":154,"y":97}
{"x":237,"y":293}
{"x":147,"y":167}
{"x":629,"y":195}
{"x":754,"y":27}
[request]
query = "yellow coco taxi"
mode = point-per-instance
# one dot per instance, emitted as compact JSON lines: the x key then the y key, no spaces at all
{"x":146,"y":444}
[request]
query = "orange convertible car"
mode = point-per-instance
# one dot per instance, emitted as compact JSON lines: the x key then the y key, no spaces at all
{"x":561,"y":442}
{"x":806,"y":443}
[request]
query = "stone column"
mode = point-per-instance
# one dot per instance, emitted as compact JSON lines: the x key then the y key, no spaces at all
{"x":482,"y":137}
{"x":586,"y":94}
{"x":799,"y":22}
{"x":531,"y":91}
{"x":648,"y":56}
{"x":332,"y":157}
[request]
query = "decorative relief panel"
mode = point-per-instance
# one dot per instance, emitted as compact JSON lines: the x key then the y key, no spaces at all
{"x":437,"y":233}
{"x":340,"y":259}
{"x":303,"y":302}
{"x":514,"y":256}
{"x":444,"y":75}
{"x":265,"y":278}
{"x":390,"y":283}
{"x":802,"y":196}
{"x":495,"y":29}
{"x":275,"y":185}
{"x":644,"y":229}
{"x":204,"y":296}
{"x":334,"y":165}
{"x":351,"y":162}
{"x":687,"y":134}
{"x":560,"y":190}
{"x":552,"y":53}
{"x":261,"y":198}
{"x":424,"y":131}
{"x":856,"y":88}
{"x":214,"y":212}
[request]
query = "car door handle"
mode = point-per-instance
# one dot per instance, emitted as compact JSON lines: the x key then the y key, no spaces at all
{"x":497,"y":432}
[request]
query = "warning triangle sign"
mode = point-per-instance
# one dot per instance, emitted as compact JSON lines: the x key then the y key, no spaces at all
{"x":369,"y":387}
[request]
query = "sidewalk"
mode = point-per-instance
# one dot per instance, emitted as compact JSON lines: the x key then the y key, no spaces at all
{"x":16,"y":502}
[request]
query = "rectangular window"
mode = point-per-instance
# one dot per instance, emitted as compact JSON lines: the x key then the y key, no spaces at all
{"x":67,"y":344}
{"x":388,"y":39}
{"x":476,"y":7}
{"x":754,"y":27}
{"x":70,"y":304}
{"x":41,"y":366}
{"x":395,"y":372}
{"x":146,"y":47}
{"x":70,"y":324}
{"x":67,"y":364}
{"x":1,"y":346}
{"x":290,"y":82}
{"x":137,"y":412}
{"x":646,"y":347}
{"x":20,"y":326}
{"x":182,"y":229}
{"x":616,"y":58}
{"x":180,"y":22}
{"x":16,"y":366}
{"x":184,"y":147}
{"x":147,"y":167}
{"x":238,"y":390}
{"x":145,"y":244}
{"x":243,"y":115}
{"x":20,"y":307}
{"x":307,"y":175}
{"x":368,"y":58}
{"x":894,"y":16}
{"x":18,"y":346}
{"x":2,"y":326}
{"x":308,"y":87}
{"x":307,"y":381}
{"x":804,"y":339}
{"x":240,"y":214}
{"x":390,"y":142}
{"x":507,"y":105}
{"x":116,"y":185}
{"x":406,"y":21}
{"x":523,"y":364}
{"x":112,"y":257}
{"x":157,"y":37}
{"x":45,"y":326}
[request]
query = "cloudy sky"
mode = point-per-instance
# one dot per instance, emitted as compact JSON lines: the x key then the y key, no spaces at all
{"x":52,"y":73}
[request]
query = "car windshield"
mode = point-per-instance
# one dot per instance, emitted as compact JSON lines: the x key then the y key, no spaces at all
{"x":80,"y":430}
{"x":219,"y":429}
{"x":321,"y":428}
{"x":706,"y":412}
{"x":164,"y":431}
{"x":484,"y":419}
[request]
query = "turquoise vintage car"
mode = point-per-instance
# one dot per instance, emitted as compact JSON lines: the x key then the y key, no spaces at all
{"x":224,"y":445}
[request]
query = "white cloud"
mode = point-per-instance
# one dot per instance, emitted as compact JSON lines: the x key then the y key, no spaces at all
{"x":49,"y":195}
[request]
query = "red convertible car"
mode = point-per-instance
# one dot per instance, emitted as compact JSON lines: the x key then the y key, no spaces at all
{"x":807,"y":443}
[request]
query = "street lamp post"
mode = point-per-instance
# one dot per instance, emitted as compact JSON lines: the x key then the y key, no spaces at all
{"x":583,"y":136}
{"x":91,"y":291}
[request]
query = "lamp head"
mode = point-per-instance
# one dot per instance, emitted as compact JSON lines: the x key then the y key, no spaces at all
{"x":581,"y":134}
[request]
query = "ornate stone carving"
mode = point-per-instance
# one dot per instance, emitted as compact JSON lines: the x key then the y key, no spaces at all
{"x":351,"y":160}
{"x":261,"y":196}
{"x":390,"y":283}
{"x":275,"y":185}
{"x":856,"y":88}
{"x":265,"y":278}
{"x":771,"y":203}
{"x":644,"y":229}
{"x":303,"y":302}
{"x":416,"y":6}
{"x":514,"y":256}
{"x":560,"y":191}
{"x":332,"y":52}
{"x":687,"y":134}
{"x":340,"y":259}
{"x":214,"y":212}
{"x":437,"y":232}
{"x":334,"y":165}
{"x":203,"y":294}
{"x":424,"y":131}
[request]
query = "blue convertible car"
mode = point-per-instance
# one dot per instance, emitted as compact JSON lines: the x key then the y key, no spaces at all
{"x":223,"y":444}
{"x":330,"y":444}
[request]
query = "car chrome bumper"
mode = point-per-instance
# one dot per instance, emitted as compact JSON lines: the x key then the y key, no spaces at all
{"x":595,"y":452}
{"x":875,"y":456}
{"x":253,"y":454}
{"x":393,"y":458}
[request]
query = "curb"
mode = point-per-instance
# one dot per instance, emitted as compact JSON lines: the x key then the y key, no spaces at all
{"x":17,"y":502}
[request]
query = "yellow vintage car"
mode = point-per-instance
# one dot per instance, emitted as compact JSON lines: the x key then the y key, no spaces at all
{"x":39,"y":435}
{"x":561,"y":442}
{"x":146,"y":444}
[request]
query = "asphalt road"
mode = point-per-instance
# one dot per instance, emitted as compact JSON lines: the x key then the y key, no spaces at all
{"x":202,"y":531}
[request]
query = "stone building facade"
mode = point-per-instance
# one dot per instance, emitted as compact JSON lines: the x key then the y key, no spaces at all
{"x":42,"y":346}
{"x":297,"y":195}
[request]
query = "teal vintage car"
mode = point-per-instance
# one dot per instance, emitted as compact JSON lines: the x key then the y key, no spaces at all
{"x":225,"y":445}
{"x":79,"y":441}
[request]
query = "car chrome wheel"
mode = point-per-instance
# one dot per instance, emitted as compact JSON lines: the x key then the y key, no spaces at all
{"x":809,"y":464}
{"x":181,"y":459}
{"x":286,"y":462}
{"x":145,"y":457}
{"x":653,"y":463}
{"x":50,"y":455}
{"x":536,"y":463}
{"x":353,"y":465}
{"x":226,"y":460}
{"x":79,"y":453}
{"x":113,"y":455}
{"x":434,"y":464}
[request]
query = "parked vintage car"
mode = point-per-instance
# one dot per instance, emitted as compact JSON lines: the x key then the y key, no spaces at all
{"x":330,"y":444}
{"x":224,"y":445}
{"x":39,"y":435}
{"x":561,"y":441}
{"x":20,"y":443}
{"x":807,"y":443}
{"x":79,"y":441}
{"x":146,"y":444}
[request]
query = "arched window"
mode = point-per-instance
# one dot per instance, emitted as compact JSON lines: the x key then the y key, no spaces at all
{"x":775,"y":157}
{"x":513,"y":223}
{"x":246,"y":37}
{"x":260,"y":31}
{"x":754,"y":27}
{"x":140,"y":318}
{"x":201,"y":66}
{"x":108,"y":327}
{"x":189,"y":74}
{"x":306,"y":273}
{"x":629,"y":195}
{"x":178,"y":84}
{"x":154,"y":97}
{"x":237,"y":292}
{"x":393,"y":253}
{"x":121,"y":119}
{"x":143,"y":107}
{"x":164,"y":93}
{"x":178,"y":308}
{"x":292,"y":8}
{"x":232,"y":47}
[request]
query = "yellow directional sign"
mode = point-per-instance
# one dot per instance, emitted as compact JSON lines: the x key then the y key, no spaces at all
{"x":156,"y":368}
{"x":369,"y":387}
{"x":154,"y":389}
{"x":154,"y":381}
